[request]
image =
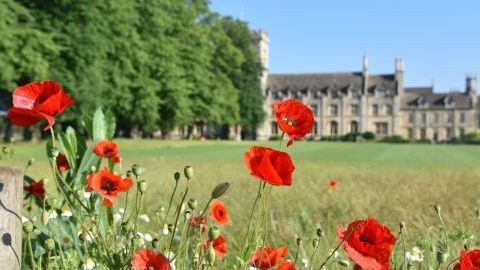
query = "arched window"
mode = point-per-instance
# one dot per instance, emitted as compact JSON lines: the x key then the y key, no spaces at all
{"x":333,"y":128}
{"x":354,"y":126}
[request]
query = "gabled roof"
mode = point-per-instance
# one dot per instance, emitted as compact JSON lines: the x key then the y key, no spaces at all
{"x":420,"y":90}
{"x":436,"y":100}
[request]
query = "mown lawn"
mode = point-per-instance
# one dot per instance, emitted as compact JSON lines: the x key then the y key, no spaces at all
{"x":391,"y":183}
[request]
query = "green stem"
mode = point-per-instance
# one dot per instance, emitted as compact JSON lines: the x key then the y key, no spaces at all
{"x":259,"y":195}
{"x":179,"y":209}
{"x":170,"y":204}
{"x":30,"y":250}
{"x":52,"y":133}
{"x":402,"y":233}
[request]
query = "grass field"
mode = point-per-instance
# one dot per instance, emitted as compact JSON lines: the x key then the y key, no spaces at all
{"x":391,"y":183}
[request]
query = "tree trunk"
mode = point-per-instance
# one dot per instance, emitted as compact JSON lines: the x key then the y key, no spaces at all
{"x":11,"y":198}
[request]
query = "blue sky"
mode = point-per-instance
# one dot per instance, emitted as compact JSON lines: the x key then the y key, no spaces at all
{"x":438,"y":40}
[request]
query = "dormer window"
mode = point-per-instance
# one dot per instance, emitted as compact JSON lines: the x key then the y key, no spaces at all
{"x":380,"y":94}
{"x":448,"y":101}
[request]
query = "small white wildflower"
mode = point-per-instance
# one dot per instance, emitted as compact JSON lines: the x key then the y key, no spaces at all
{"x":148,"y":237}
{"x":144,"y":218}
{"x":121,"y":210}
{"x":415,"y":255}
{"x":88,"y":265}
{"x":117,"y":217}
{"x":142,"y":239}
{"x":67,"y":241}
{"x":52,"y":214}
{"x":305,"y":262}
{"x":66,"y":214}
{"x":25,"y":219}
{"x":87,"y":195}
{"x":176,"y":238}
{"x":165,"y":229}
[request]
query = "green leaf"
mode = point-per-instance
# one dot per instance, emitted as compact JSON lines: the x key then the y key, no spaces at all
{"x":88,"y":159}
{"x":99,"y":126}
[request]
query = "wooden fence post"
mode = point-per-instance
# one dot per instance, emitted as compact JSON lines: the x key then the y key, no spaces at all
{"x":11,"y":200}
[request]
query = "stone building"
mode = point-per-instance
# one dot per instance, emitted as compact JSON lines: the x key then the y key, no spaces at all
{"x":359,"y":102}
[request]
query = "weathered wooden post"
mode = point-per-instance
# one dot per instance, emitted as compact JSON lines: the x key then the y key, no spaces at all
{"x":11,"y":198}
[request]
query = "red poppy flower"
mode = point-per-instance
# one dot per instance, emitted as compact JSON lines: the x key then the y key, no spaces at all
{"x":146,"y":259}
{"x":332,"y":185}
{"x":294,"y":118}
{"x":108,"y":185}
{"x":62,"y":163}
{"x":368,"y":244}
{"x":286,"y":265}
{"x":36,"y":189}
{"x":267,"y":258}
{"x":196,"y":221}
{"x":219,"y":245}
{"x":218,"y":212}
{"x":107,"y":149}
{"x":37,"y":101}
{"x":469,"y":260}
{"x":271,"y":166}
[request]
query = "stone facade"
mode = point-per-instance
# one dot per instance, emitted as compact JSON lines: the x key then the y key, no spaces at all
{"x":359,"y":102}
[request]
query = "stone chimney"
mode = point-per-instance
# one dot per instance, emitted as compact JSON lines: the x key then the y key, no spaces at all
{"x":471,"y":88}
{"x":365,"y":74}
{"x":399,"y":75}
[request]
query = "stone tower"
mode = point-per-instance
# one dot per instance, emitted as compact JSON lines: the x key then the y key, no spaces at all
{"x":262,"y":44}
{"x":471,"y":88}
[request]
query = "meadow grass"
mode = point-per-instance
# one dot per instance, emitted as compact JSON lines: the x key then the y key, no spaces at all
{"x":391,"y":183}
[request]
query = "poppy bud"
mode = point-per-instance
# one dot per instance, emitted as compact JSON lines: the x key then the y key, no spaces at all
{"x":93,"y":168}
{"x":403,"y":226}
{"x":466,"y":246}
{"x":442,"y":257}
{"x":437,"y":208}
{"x":30,"y":162}
{"x":176,"y":176}
{"x":142,"y":186}
{"x":319,"y":232}
{"x":220,"y":189}
{"x":82,"y":236}
{"x":211,"y":255}
{"x":54,"y":152}
{"x":45,"y":218}
{"x":137,"y":170}
{"x":28,"y":227}
{"x":478,"y":213}
{"x":154,"y":242}
{"x":344,"y":263}
{"x":129,"y":173}
{"x":188,"y":172}
{"x":49,"y":244}
{"x":299,"y":241}
{"x":315,"y":243}
{"x":187,"y":215}
{"x":192,"y":204}
{"x":213,"y":233}
{"x":170,"y":228}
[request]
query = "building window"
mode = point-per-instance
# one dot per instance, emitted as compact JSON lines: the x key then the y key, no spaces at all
{"x":333,"y":128}
{"x":276,"y":95}
{"x":423,"y":133}
{"x":449,"y":133}
{"x":356,"y":94}
{"x":462,"y":133}
{"x":316,"y":94}
{"x":435,"y":135}
{"x":381,"y":128}
{"x":462,"y":117}
{"x":333,"y":110}
{"x":449,"y":117}
{"x":424,"y":118}
{"x":354,"y":127}
{"x":389,"y":109}
{"x":411,"y":135}
{"x":354,"y":109}
{"x":274,"y":129}
{"x":436,"y":118}
{"x":411,"y":118}
{"x":314,"y":109}
{"x":375,"y":109}
{"x":315,"y":128}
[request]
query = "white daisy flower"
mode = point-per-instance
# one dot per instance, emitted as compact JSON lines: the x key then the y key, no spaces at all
{"x":148,"y":237}
{"x":52,"y":214}
{"x":117,"y":217}
{"x":414,"y":256}
{"x":305,"y":262}
{"x":121,"y":210}
{"x":142,"y":239}
{"x":88,"y":265}
{"x":165,"y":229}
{"x":87,"y":195}
{"x":67,"y":241}
{"x":144,"y":218}
{"x":66,"y":214}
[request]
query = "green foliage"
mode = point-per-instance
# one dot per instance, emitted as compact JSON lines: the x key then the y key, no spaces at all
{"x":153,"y":65}
{"x":350,"y":137}
{"x":368,"y":135}
{"x":394,"y":139}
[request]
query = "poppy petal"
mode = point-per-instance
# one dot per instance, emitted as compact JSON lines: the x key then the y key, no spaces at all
{"x":24,"y":117}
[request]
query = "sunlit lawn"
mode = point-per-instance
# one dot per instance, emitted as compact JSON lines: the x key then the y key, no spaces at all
{"x":391,"y":183}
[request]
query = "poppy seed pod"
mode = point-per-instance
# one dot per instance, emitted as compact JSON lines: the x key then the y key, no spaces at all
{"x":49,"y":244}
{"x":220,"y":189}
{"x":137,"y":170}
{"x":211,"y":255}
{"x":192,"y":204}
{"x":187,"y":215}
{"x":142,"y":186}
{"x":54,"y":152}
{"x":45,"y":218}
{"x":176,"y":176}
{"x":299,"y":241}
{"x":344,"y":263}
{"x":437,"y":208}
{"x":28,"y":227}
{"x":442,"y":257}
{"x":188,"y":172}
{"x":30,"y":162}
{"x":403,"y":226}
{"x":213,"y":233}
{"x":154,"y":242}
{"x":319,"y":232}
{"x":315,"y":243}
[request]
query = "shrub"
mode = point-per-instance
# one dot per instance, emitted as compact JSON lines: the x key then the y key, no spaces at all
{"x":471,"y":138}
{"x":426,"y":141}
{"x":350,"y":137}
{"x":275,"y":138}
{"x":368,"y":135}
{"x":394,"y":139}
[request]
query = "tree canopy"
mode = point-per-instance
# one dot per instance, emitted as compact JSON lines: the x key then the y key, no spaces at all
{"x":153,"y":65}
